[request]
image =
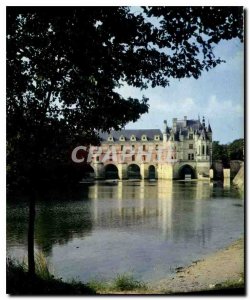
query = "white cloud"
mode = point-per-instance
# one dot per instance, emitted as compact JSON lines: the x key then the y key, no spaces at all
{"x":223,"y":108}
{"x":174,"y":108}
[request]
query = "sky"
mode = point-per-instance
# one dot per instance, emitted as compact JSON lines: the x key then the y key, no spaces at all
{"x":218,"y":95}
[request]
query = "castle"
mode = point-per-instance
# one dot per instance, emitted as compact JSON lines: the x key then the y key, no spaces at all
{"x":183,"y":151}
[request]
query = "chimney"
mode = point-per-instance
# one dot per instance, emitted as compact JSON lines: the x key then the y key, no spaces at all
{"x":174,"y":124}
{"x":185,"y":121}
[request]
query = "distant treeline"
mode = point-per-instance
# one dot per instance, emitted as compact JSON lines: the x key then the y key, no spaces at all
{"x":227,"y":152}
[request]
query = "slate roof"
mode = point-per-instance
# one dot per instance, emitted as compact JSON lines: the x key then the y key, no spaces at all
{"x":194,"y":124}
{"x":127,"y":133}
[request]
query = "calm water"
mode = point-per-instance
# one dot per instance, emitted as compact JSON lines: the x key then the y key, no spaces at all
{"x":144,"y":228}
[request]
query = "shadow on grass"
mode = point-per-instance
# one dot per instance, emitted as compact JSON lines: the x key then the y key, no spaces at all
{"x":20,"y":283}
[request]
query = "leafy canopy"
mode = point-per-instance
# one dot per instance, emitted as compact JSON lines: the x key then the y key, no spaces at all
{"x":231,"y":151}
{"x":64,"y":65}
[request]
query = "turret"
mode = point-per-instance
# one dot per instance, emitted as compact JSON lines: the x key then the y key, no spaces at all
{"x":209,"y":132}
{"x":180,"y":135}
{"x":165,"y":125}
{"x":203,"y":122}
{"x":165,"y":128}
{"x":209,"y":128}
{"x":185,"y":121}
{"x":174,"y":124}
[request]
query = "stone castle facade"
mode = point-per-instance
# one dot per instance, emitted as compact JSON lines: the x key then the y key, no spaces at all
{"x":180,"y":151}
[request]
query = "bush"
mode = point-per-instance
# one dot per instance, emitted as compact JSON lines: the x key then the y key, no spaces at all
{"x":19,"y":282}
{"x":126,"y":282}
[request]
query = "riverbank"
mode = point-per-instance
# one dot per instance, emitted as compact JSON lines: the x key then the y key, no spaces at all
{"x":222,"y":271}
{"x":20,"y":283}
{"x":224,"y":268}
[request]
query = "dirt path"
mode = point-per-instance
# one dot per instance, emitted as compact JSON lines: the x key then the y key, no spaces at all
{"x":224,"y":265}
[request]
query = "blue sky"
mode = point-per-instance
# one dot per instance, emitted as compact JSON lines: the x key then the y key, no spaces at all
{"x":218,"y":95}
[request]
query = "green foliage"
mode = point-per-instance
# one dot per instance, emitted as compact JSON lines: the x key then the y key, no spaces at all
{"x":100,"y":286}
{"x":190,"y":33}
{"x":20,"y":283}
{"x":231,"y":151}
{"x":42,"y":267}
{"x":236,"y":149}
{"x":220,"y":152}
{"x":126,"y":282}
{"x":123,"y":282}
{"x":64,"y":65}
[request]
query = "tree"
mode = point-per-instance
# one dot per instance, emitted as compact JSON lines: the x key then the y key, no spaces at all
{"x":231,"y":151}
{"x":236,"y":149}
{"x":220,"y":152}
{"x":64,"y":63}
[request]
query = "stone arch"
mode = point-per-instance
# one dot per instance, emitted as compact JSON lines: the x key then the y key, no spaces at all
{"x":151,"y":172}
{"x":133,"y":171}
{"x":88,"y":171}
{"x":187,"y":170}
{"x":111,"y":171}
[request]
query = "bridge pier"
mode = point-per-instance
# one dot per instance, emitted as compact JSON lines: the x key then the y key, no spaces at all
{"x":144,"y":171}
{"x":122,"y":171}
{"x":165,"y":171}
{"x":99,"y":170}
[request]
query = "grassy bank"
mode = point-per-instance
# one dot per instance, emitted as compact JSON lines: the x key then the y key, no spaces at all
{"x":20,"y":283}
{"x":202,"y":278}
{"x":43,"y":283}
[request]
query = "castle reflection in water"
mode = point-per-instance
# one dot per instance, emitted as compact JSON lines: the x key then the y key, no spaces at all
{"x":133,"y":203}
{"x":134,"y":218}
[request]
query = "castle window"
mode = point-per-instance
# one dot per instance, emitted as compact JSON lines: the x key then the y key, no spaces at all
{"x":207,"y":150}
{"x":157,"y":138}
{"x":144,"y":147}
{"x":132,"y":138}
{"x":203,"y":149}
{"x":190,"y":146}
{"x":156,"y":147}
{"x":133,"y":147}
{"x":121,"y":147}
{"x":133,"y":157}
{"x":110,"y":139}
{"x":191,"y":136}
{"x":191,"y":156}
{"x":144,"y":137}
{"x":122,"y":138}
{"x":97,"y":158}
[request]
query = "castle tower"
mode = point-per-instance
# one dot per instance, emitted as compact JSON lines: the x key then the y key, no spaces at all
{"x":165,"y":126}
{"x":209,"y":132}
{"x":203,"y":122}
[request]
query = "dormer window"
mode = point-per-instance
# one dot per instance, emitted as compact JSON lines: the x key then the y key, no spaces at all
{"x":157,"y":138}
{"x":122,"y":138}
{"x":144,"y":137}
{"x":110,"y":138}
{"x":132,"y":138}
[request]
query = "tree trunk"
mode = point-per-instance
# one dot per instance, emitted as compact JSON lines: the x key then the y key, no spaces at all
{"x":31,"y":233}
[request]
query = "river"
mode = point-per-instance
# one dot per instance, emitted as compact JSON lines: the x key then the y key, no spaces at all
{"x":137,"y":227}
